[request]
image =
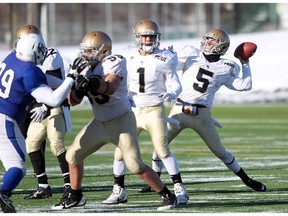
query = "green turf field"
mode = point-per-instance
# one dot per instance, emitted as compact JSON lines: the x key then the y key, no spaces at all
{"x":257,"y":135}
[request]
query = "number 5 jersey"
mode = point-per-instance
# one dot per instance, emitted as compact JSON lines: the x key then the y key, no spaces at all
{"x":201,"y":79}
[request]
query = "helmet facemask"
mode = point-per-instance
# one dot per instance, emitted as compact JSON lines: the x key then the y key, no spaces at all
{"x":31,"y":48}
{"x":147,"y":28}
{"x":89,"y":53}
{"x":95,"y":46}
{"x":148,"y":47}
{"x":220,"y":42}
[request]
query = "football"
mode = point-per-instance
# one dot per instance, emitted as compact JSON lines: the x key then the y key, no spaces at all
{"x":245,"y":50}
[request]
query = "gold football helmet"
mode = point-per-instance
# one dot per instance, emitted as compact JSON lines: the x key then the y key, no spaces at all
{"x":26,"y":29}
{"x":95,"y":46}
{"x":222,"y":39}
{"x":144,"y":28}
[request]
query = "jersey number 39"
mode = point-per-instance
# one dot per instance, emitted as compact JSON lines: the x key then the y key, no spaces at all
{"x":6,"y":79}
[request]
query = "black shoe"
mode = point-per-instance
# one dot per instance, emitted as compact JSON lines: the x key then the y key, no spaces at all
{"x":257,"y":186}
{"x":40,"y":193}
{"x":169,"y":202}
{"x":6,"y":204}
{"x":65,"y":192}
{"x":63,"y":198}
{"x":70,"y":202}
{"x":146,"y":189}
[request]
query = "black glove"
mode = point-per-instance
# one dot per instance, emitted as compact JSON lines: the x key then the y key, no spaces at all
{"x":81,"y":83}
{"x":94,"y":83}
{"x":78,"y":65}
{"x":85,"y":84}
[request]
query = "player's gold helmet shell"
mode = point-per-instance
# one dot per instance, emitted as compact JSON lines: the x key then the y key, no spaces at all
{"x":147,"y":27}
{"x":99,"y":43}
{"x":223,"y":42}
{"x":26,"y":29}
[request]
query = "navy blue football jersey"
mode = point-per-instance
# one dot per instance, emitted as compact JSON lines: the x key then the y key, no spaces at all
{"x":17,"y":80}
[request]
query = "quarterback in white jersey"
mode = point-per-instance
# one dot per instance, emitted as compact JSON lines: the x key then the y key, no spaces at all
{"x":201,"y":79}
{"x":152,"y":80}
{"x":105,"y":85}
{"x":202,"y":73}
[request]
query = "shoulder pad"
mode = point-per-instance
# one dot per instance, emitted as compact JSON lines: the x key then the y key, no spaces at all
{"x":167,"y":55}
{"x":53,"y":60}
{"x":188,"y":51}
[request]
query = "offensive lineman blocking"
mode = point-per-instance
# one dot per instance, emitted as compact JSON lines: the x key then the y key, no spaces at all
{"x":105,"y":84}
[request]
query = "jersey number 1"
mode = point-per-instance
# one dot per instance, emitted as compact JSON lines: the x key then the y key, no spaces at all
{"x":141,"y":72}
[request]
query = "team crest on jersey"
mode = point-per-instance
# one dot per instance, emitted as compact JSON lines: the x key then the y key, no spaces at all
{"x":161,"y":58}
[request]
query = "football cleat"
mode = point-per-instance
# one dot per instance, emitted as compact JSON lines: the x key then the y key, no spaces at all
{"x":40,"y":193}
{"x":66,"y":192}
{"x":146,"y":189}
{"x":118,"y":196}
{"x":70,"y":202}
{"x":257,"y":186}
{"x":63,"y":198}
{"x":181,"y":193}
{"x":6,"y":204}
{"x":169,"y":202}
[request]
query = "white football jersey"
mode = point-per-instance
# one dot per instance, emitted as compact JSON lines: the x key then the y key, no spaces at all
{"x":201,"y":79}
{"x":107,"y":107}
{"x":149,"y":76}
{"x":53,"y":67}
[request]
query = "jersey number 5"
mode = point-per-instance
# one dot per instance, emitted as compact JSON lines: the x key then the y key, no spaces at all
{"x":205,"y":82}
{"x":6,"y":79}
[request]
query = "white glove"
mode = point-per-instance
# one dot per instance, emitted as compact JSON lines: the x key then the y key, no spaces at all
{"x":39,"y":113}
{"x":166,"y":97}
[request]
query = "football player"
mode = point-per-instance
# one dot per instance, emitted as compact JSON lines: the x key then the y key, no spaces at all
{"x":202,"y":73}
{"x":21,"y":81}
{"x":50,"y":122}
{"x":52,"y":125}
{"x":105,"y":84}
{"x":152,"y":81}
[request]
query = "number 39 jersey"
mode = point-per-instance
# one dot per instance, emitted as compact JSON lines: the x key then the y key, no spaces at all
{"x":151,"y":75}
{"x":17,"y":80}
{"x":107,"y":107}
{"x":201,"y":79}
